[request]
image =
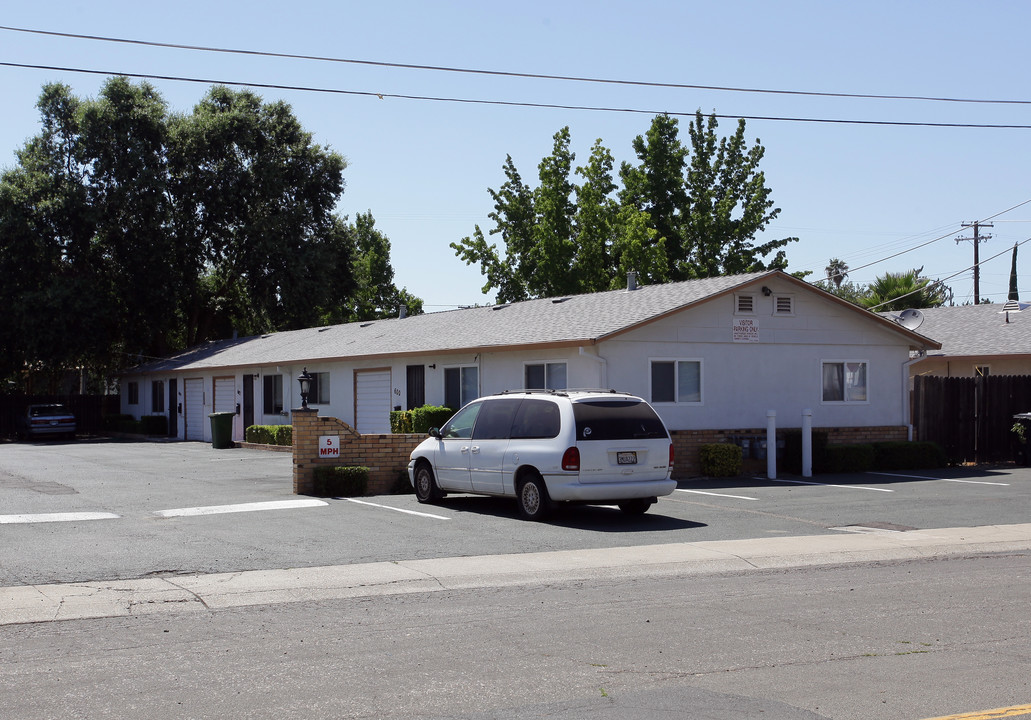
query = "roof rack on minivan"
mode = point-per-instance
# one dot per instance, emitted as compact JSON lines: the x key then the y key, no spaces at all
{"x":564,"y":392}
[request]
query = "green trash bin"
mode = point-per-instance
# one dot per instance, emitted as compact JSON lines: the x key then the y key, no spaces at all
{"x":222,"y":429}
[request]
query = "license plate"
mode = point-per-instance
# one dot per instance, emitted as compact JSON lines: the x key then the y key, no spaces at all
{"x":626,"y":458}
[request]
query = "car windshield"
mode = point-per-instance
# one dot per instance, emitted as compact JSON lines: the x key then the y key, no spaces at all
{"x":617,"y":420}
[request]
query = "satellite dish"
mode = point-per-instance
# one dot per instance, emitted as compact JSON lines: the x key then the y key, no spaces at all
{"x":910,"y":319}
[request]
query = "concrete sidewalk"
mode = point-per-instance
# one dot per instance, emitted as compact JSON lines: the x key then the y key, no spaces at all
{"x":204,"y":593}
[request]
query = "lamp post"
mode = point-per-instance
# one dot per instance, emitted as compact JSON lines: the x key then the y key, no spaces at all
{"x":305,"y":380}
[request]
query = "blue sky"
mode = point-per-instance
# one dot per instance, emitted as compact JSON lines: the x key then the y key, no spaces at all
{"x":861,"y":193}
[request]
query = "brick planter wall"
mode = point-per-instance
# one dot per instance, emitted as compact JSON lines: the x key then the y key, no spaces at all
{"x":686,"y":443}
{"x":386,"y":456}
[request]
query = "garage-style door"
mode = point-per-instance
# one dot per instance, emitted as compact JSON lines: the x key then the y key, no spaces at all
{"x":372,"y":401}
{"x":193,"y":410}
{"x":225,"y":399}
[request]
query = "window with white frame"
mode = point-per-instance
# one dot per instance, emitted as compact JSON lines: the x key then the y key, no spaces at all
{"x":461,"y":385}
{"x":545,"y":376}
{"x":318,"y":390}
{"x":844,"y":381}
{"x":134,"y":392}
{"x":676,"y":381}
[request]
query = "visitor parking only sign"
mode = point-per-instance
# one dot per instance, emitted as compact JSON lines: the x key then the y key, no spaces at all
{"x":329,"y":446}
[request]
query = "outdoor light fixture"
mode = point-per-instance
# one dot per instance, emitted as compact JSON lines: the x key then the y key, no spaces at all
{"x":766,"y":291}
{"x":305,"y":379}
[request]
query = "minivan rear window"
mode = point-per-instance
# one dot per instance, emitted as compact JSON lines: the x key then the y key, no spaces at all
{"x":617,"y":420}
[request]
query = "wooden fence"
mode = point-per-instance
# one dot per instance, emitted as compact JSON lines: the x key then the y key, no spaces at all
{"x":972,"y":418}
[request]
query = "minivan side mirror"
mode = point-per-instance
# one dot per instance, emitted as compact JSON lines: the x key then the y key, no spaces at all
{"x":434,"y":432}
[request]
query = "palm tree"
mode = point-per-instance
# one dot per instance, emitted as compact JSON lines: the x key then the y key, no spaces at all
{"x":837,"y":271}
{"x":901,"y":291}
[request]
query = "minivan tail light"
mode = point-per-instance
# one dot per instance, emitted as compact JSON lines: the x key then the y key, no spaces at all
{"x":571,"y":460}
{"x":671,"y":456}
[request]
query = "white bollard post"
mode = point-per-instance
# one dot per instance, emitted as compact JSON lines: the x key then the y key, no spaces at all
{"x":771,"y":444}
{"x":807,"y":443}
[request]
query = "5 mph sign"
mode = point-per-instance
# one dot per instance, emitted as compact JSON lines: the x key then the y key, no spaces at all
{"x":329,"y":446}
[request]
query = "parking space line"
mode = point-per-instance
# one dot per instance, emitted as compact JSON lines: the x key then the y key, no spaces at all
{"x":245,"y":507}
{"x":55,"y":517}
{"x":396,"y":509}
{"x":956,"y":480}
{"x":847,"y":487}
{"x":702,"y":492}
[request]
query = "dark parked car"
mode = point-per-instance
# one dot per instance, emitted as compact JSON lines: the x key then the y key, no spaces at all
{"x":46,"y":421}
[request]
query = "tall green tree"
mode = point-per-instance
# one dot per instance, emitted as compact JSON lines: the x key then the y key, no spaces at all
{"x":678,"y":215}
{"x":375,"y":296}
{"x":127,"y":231}
{"x":729,"y":204}
{"x":256,"y":195}
{"x":1014,"y":293}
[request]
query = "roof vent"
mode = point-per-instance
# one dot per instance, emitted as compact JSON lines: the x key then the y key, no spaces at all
{"x":556,"y":301}
{"x":631,"y":281}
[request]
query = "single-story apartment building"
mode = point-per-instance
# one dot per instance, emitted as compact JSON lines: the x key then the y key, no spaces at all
{"x":713,"y":354}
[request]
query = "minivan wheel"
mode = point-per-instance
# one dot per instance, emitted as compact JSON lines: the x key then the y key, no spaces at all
{"x":426,"y":490}
{"x":533,"y":499}
{"x":637,"y":506}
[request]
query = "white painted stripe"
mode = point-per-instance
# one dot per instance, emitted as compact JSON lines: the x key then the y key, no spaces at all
{"x":924,"y":477}
{"x":866,"y":530}
{"x":847,"y":487}
{"x":245,"y":507}
{"x":701,"y":492}
{"x":56,"y":517}
{"x":400,"y":510}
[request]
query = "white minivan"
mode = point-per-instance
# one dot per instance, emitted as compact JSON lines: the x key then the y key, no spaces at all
{"x":549,"y":446}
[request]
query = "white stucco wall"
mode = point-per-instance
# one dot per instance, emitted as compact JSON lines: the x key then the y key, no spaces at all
{"x":780,"y":370}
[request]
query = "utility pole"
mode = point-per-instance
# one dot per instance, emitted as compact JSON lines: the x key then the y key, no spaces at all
{"x":978,"y":239}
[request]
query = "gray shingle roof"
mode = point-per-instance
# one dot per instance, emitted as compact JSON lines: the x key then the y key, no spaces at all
{"x":972,"y":330}
{"x":571,"y":320}
{"x":549,"y":321}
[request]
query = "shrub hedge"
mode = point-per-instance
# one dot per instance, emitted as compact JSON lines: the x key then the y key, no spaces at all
{"x":419,"y":420}
{"x":338,"y":481}
{"x":270,"y":434}
{"x":862,"y":457}
{"x":720,"y":459}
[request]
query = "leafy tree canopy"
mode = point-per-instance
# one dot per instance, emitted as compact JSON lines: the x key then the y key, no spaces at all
{"x":681,"y":212}
{"x":130,"y":231}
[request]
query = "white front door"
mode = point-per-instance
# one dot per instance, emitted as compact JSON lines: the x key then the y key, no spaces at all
{"x":372,"y":401}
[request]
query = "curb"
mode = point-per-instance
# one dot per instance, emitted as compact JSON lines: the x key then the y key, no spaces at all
{"x":205,"y":593}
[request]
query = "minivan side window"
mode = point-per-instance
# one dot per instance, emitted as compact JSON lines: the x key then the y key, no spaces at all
{"x":495,"y":419}
{"x":461,"y":425}
{"x":536,"y":419}
{"x":617,"y":420}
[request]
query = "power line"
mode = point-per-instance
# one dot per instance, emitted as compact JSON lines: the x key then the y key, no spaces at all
{"x":503,"y":73}
{"x":509,"y":103}
{"x":942,"y":280}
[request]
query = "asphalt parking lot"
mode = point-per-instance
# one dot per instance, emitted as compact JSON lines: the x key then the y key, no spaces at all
{"x":88,"y":510}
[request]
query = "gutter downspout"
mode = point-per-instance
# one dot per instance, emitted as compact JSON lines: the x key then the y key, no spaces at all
{"x":906,"y":415}
{"x":603,"y":370}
